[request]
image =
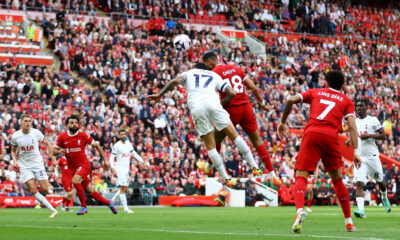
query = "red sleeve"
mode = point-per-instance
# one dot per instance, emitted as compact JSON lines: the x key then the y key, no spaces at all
{"x":349,"y":110}
{"x":306,"y":96}
{"x":87,"y":138}
{"x":59,"y":140}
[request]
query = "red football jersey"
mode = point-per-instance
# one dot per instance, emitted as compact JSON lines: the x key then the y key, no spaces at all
{"x":75,"y":146}
{"x":234,"y":76}
{"x":65,"y":171}
{"x":328,"y":107}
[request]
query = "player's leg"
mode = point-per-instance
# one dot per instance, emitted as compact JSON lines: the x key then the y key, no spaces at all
{"x":300,"y":191}
{"x":360,"y":176}
{"x":67,"y":200}
{"x":242,"y":146}
{"x":89,"y":188}
{"x":310,"y":197}
{"x":117,"y":193}
{"x":375,"y":170}
{"x":44,"y":185}
{"x":207,"y":167}
{"x":122,"y":197}
{"x":209,"y":141}
{"x":80,"y":191}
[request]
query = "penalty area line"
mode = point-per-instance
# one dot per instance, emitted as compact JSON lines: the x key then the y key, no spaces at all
{"x":195,"y":232}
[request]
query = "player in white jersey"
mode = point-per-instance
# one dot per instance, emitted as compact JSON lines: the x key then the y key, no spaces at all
{"x":206,"y":109}
{"x":122,"y":152}
{"x":369,"y":129}
{"x":26,"y":156}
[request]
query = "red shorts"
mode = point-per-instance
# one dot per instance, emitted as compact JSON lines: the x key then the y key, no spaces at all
{"x":316,"y":146}
{"x":84,"y":171}
{"x":244,"y":116}
{"x":66,"y":180}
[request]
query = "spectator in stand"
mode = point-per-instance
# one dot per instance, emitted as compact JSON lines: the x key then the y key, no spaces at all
{"x":323,"y":195}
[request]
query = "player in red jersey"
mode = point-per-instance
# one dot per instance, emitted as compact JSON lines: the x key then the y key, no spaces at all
{"x":240,"y":111}
{"x":66,"y":180}
{"x":320,"y":141}
{"x":73,"y":144}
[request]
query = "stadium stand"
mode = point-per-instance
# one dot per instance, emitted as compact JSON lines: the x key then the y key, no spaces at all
{"x":111,"y":63}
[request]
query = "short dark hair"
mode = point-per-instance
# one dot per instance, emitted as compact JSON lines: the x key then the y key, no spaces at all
{"x":123,"y":130}
{"x":363,"y":101}
{"x":201,"y":65}
{"x":71,"y":117}
{"x":335,"y":79}
{"x":210,"y":56}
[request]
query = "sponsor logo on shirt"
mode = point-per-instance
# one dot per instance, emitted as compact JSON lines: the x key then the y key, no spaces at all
{"x":27,"y":148}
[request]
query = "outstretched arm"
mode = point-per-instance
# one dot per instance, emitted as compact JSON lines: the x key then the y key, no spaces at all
{"x":351,"y":122}
{"x":106,"y":163}
{"x":254,"y":89}
{"x":286,"y":111}
{"x":231,"y":94}
{"x":170,"y":85}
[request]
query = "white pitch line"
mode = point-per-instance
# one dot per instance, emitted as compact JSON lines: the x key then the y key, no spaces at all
{"x":196,"y":232}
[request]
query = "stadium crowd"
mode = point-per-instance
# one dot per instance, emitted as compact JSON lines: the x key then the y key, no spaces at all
{"x":123,"y":64}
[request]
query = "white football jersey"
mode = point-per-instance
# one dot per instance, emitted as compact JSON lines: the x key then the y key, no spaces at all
{"x":202,"y":84}
{"x":28,"y":148}
{"x":368,"y":125}
{"x":123,"y":152}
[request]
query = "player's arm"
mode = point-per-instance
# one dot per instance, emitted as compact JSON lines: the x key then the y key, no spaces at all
{"x":380,"y":135}
{"x":14,"y":150}
{"x":351,"y":122}
{"x":254,"y":89}
{"x":231,"y":94}
{"x":170,"y":86}
{"x":49,"y":148}
{"x":96,"y":145}
{"x":286,"y":111}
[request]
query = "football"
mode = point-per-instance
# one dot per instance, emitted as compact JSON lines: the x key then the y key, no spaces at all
{"x":182,"y":42}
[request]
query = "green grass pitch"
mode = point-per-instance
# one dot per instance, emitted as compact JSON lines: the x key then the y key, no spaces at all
{"x":195,"y":223}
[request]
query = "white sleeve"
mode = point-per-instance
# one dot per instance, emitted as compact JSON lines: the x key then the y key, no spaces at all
{"x":220,"y":84}
{"x":136,"y":156}
{"x":184,"y":75}
{"x":112,"y":157}
{"x":376,"y":124}
{"x":14,"y":141}
{"x":39,"y":135}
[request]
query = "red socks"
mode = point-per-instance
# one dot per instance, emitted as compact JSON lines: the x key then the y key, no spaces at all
{"x":97,"y":196}
{"x":265,"y":158}
{"x":309,"y":203}
{"x":343,"y":196}
{"x":300,"y":191}
{"x":218,"y":150}
{"x":81,"y":194}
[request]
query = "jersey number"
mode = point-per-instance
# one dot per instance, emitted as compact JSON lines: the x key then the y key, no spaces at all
{"x":197,"y":80}
{"x":327,"y":109}
{"x":236,"y":83}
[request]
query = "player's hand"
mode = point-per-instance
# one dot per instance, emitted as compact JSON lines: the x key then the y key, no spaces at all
{"x":155,"y":97}
{"x":115,"y":173}
{"x":364,"y":136}
{"x":16,"y":167}
{"x":357,"y":161}
{"x":63,"y":151}
{"x":348,"y":143}
{"x":106,"y":165}
{"x":281,"y":130}
{"x":268,"y":108}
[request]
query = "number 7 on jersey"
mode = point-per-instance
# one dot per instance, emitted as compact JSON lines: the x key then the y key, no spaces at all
{"x":327,"y":109}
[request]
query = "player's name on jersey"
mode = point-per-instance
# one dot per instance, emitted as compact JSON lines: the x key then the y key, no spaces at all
{"x":228,"y":72}
{"x":334,"y":96}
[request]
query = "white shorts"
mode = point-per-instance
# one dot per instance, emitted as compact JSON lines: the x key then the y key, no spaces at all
{"x":37,"y":173}
{"x":370,"y":167}
{"x":122,"y":178}
{"x":205,"y":114}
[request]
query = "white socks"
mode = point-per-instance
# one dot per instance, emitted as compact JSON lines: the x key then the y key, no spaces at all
{"x":360,"y":203}
{"x":219,"y":165}
{"x":245,"y":151}
{"x":122,"y":197}
{"x":208,"y":166}
{"x":44,"y":201}
{"x":384,"y":194}
{"x":272,"y":174}
{"x":299,"y":210}
{"x":115,"y":195}
{"x":348,"y":220}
